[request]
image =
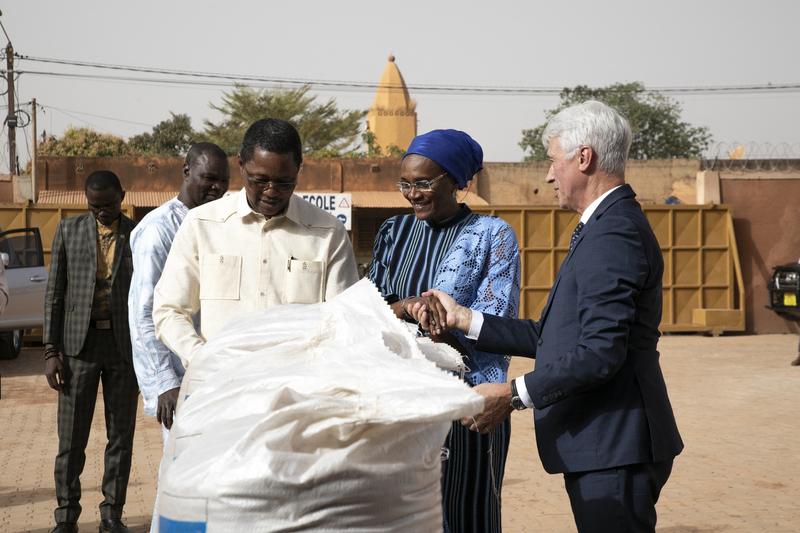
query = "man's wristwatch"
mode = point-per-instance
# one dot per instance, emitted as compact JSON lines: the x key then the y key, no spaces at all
{"x":516,"y":401}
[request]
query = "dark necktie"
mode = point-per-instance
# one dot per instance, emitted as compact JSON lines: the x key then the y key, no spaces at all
{"x":575,"y":233}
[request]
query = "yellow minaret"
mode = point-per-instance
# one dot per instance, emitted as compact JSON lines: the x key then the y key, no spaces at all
{"x":392,"y":117}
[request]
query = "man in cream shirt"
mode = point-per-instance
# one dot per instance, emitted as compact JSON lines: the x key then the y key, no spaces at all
{"x":254,"y":249}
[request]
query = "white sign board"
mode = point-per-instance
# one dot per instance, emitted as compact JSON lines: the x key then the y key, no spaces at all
{"x":338,"y":204}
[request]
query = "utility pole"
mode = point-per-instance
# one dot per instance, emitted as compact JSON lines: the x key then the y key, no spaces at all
{"x":35,"y":157}
{"x":11,"y":119}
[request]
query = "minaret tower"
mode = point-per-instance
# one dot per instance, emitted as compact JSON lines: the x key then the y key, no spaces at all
{"x":392,"y":117}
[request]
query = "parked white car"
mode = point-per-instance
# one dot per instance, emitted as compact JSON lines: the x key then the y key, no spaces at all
{"x":26,"y":275}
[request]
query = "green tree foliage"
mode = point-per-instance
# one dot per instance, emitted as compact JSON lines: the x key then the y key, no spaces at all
{"x":655,"y":119}
{"x":373,"y":150}
{"x":324,"y":129}
{"x":394,"y":151}
{"x":169,"y":137}
{"x":84,"y":142}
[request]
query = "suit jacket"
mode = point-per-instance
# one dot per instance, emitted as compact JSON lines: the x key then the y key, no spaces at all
{"x":70,"y":287}
{"x":599,"y":394}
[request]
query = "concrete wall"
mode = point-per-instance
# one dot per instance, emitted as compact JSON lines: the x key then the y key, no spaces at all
{"x":524,"y":183}
{"x":764,"y":203}
{"x":766,"y":213}
{"x":7,"y":191}
{"x":498,"y":183}
{"x":135,"y":173}
{"x":165,"y":173}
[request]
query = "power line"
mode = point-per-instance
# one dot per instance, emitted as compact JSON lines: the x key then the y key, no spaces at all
{"x":164,"y":81}
{"x":229,"y":81}
{"x":77,"y":118}
{"x":741,"y":89}
{"x":74,"y":117}
{"x":96,"y":116}
{"x":272,"y":81}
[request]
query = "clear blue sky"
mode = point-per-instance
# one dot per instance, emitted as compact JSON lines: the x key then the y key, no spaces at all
{"x":500,"y":43}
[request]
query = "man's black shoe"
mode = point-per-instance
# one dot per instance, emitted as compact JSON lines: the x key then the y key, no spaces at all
{"x":113,"y":525}
{"x":65,"y":527}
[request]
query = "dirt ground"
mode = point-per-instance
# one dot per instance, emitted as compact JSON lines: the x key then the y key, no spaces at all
{"x":736,"y":400}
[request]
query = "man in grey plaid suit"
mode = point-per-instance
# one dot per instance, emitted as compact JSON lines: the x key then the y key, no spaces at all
{"x":87,"y":340}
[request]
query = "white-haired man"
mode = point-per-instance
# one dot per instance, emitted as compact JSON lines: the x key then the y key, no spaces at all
{"x":602,"y":415}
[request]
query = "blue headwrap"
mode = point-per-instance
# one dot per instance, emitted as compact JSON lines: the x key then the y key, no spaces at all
{"x":455,"y":151}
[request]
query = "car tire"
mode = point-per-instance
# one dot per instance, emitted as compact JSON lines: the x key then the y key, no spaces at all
{"x":10,"y":344}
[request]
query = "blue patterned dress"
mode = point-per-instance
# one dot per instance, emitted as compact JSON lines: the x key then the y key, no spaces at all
{"x":474,"y":258}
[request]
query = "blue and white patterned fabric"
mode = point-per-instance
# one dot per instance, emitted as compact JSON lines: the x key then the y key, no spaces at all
{"x":157,"y":368}
{"x":474,"y":258}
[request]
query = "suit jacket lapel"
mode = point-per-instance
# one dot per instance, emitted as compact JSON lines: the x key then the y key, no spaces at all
{"x":623,"y":192}
{"x":91,"y":241}
{"x":558,"y":276}
{"x":550,"y":297}
{"x":118,"y":249}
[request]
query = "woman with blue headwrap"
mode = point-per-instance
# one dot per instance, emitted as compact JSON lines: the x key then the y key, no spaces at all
{"x":475,"y":258}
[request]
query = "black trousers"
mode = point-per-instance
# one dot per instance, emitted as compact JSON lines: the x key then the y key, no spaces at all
{"x":98,"y":361}
{"x":472,"y":479}
{"x":619,"y":500}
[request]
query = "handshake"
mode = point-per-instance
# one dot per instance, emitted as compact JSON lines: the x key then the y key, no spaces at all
{"x":436,"y":312}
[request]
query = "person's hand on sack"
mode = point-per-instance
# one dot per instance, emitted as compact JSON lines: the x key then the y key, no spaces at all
{"x":496,"y":407}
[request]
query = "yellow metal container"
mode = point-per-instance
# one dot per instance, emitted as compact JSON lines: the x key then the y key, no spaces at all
{"x":702,"y":275}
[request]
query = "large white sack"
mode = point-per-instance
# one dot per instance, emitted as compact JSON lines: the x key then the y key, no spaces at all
{"x":325,"y":417}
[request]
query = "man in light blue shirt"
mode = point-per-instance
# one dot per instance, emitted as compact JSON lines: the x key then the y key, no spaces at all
{"x":158,"y":370}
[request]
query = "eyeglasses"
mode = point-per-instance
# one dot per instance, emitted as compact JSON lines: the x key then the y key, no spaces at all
{"x":280,"y":186}
{"x":420,"y":185}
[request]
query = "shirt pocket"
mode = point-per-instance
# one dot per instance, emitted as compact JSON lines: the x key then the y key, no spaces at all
{"x":305,"y":281}
{"x":220,"y":276}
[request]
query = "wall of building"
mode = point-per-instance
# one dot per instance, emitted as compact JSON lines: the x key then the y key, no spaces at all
{"x":165,"y":173}
{"x":766,"y":214}
{"x":135,"y":173}
{"x":6,"y":191}
{"x":525,"y":183}
{"x":498,"y":183}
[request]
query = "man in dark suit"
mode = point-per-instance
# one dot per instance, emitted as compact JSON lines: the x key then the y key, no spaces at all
{"x":601,"y":410}
{"x":87,"y":340}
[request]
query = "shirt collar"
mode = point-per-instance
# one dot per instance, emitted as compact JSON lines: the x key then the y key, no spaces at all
{"x":177,"y":205}
{"x":292,"y":212}
{"x":106,"y":230}
{"x":589,"y":211}
{"x":461,"y":214}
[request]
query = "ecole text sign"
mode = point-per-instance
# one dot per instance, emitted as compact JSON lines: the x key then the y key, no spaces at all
{"x":338,"y":204}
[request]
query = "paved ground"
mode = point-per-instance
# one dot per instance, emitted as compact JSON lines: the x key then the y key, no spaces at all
{"x":736,"y":399}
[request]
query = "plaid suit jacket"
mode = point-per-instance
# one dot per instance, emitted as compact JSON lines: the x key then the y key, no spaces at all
{"x":70,"y":288}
